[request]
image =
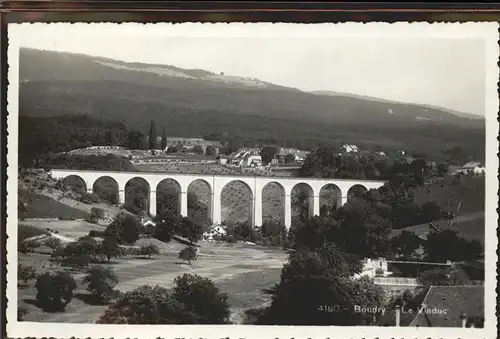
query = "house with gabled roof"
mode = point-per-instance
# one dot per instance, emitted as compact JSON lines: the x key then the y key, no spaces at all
{"x":350,"y":148}
{"x":472,"y":167}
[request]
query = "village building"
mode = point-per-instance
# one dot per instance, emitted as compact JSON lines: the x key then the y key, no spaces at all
{"x":246,"y":157}
{"x":286,"y":155}
{"x":222,"y":159}
{"x":214,"y":231}
{"x":350,"y":148}
{"x":471,"y":167}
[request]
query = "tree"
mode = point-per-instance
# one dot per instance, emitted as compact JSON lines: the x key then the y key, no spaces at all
{"x":448,"y":245}
{"x":28,"y":246}
{"x":164,"y":139}
{"x":125,"y":228}
{"x":135,"y":140}
{"x":188,"y":253}
{"x":313,"y":282}
{"x":149,"y":249}
{"x":198,"y":149}
{"x":77,"y":262}
{"x":55,"y":290}
{"x":147,"y":305}
{"x":87,"y":246}
{"x":364,"y":229}
{"x":152,"y":136}
{"x":166,"y":226}
{"x":101,"y":282}
{"x":405,"y":244}
{"x":289,"y":158}
{"x":200,"y":296}
{"x":431,"y":211}
{"x":109,"y":247}
{"x":53,"y":243}
{"x":268,"y":153}
{"x":443,"y":277}
{"x":190,"y":229}
{"x":25,"y":273}
{"x":110,"y":138}
{"x":313,"y":233}
{"x":442,"y":168}
{"x":210,"y":151}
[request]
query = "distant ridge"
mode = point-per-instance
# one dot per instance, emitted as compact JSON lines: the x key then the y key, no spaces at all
{"x":370,"y":98}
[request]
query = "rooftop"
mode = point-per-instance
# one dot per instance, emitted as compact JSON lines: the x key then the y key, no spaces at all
{"x":472,"y":164}
{"x":455,"y":300}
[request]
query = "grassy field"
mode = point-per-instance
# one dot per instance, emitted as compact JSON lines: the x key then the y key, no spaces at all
{"x":42,"y":206}
{"x":240,"y":271}
{"x":469,"y":193}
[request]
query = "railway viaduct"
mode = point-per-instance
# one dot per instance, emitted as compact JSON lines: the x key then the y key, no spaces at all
{"x":216,"y":183}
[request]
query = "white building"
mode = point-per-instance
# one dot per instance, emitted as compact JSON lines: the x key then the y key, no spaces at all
{"x":350,"y":148}
{"x":246,"y":157}
{"x":373,"y":268}
{"x":474,"y":167}
{"x":214,"y":231}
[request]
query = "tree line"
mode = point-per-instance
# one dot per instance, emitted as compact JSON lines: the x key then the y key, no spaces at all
{"x":44,"y":135}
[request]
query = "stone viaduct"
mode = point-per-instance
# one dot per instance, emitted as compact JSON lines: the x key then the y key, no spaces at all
{"x":216,"y":183}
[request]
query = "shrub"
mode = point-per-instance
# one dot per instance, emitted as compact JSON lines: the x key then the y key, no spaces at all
{"x":29,"y":246}
{"x":55,"y":290}
{"x":78,"y":262}
{"x":25,"y":273}
{"x":67,"y":217}
{"x":21,"y":312}
{"x":188,"y":253}
{"x":96,"y":213}
{"x":97,"y":234}
{"x":101,"y":282}
{"x":200,"y":296}
{"x":147,"y":305}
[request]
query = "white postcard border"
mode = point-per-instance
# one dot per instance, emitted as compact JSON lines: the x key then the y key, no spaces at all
{"x":486,"y":31}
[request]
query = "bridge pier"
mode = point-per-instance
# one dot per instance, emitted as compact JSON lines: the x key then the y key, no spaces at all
{"x":184,"y":204}
{"x":121,"y":197}
{"x":152,"y":203}
{"x":341,"y":202}
{"x":316,"y":205}
{"x":288,"y":211}
{"x":257,"y":208}
{"x":216,"y":208}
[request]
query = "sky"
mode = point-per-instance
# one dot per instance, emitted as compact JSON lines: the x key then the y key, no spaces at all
{"x":432,"y":69}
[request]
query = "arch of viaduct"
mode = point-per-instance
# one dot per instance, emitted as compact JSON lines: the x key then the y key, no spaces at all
{"x":216,"y":183}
